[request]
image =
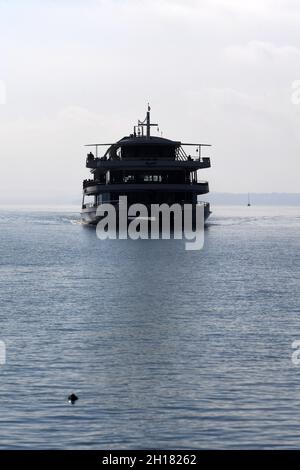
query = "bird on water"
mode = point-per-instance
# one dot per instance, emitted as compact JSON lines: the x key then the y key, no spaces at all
{"x":72,"y":398}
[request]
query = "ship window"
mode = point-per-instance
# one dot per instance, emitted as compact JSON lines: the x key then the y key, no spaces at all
{"x":128,"y":178}
{"x":153,"y":178}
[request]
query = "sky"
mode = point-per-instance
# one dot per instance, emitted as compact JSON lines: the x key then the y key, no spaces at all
{"x":222,"y":72}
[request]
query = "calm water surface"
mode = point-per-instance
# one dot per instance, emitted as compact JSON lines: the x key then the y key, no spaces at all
{"x":165,"y":348}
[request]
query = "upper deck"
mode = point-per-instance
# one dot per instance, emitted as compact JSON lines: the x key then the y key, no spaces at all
{"x":140,"y":151}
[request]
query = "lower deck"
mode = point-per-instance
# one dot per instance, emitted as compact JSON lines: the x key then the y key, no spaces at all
{"x":89,"y":212}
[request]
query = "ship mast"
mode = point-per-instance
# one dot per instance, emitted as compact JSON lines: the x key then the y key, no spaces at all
{"x":145,"y":123}
{"x":148,"y":121}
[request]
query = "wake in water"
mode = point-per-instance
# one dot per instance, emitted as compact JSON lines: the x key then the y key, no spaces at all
{"x":221,"y":217}
{"x":38,"y":218}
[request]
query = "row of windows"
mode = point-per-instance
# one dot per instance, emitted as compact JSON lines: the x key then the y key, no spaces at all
{"x":154,"y":178}
{"x":145,"y":178}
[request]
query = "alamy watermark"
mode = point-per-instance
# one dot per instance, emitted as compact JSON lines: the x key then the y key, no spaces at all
{"x":2,"y":92}
{"x":295,"y":96}
{"x":2,"y":353}
{"x":157,"y":221}
{"x":296,"y":353}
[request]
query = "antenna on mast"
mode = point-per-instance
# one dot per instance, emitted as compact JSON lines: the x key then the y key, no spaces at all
{"x":145,"y":123}
{"x":148,"y":121}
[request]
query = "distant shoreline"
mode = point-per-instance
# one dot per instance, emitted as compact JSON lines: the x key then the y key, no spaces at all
{"x":258,"y":199}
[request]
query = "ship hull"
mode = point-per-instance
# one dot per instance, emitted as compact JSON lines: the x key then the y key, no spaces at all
{"x":89,"y":215}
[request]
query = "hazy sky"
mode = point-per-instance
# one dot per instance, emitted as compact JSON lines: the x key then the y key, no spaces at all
{"x":217,"y":71}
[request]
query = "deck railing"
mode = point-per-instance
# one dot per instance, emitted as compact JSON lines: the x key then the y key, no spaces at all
{"x":88,"y":205}
{"x":88,"y":183}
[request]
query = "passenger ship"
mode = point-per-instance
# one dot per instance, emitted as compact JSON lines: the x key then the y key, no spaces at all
{"x":147,"y":169}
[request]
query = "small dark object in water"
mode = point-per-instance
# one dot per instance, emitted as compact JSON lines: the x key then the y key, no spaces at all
{"x":72,"y":398}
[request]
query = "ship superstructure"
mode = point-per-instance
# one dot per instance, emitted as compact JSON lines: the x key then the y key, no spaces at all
{"x":146,"y":169}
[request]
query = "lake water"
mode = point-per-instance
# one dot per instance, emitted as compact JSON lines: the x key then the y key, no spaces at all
{"x":165,"y":348}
